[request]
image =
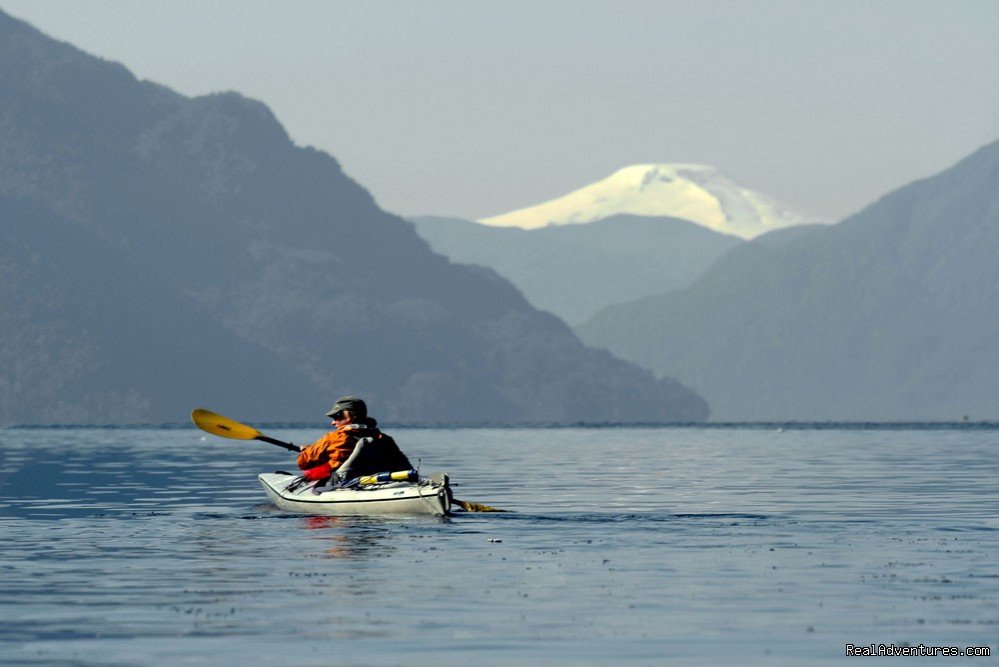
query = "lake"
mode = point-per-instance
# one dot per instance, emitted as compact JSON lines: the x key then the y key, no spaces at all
{"x":712,"y":545}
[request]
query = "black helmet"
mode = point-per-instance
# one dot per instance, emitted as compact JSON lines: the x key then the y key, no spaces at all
{"x":352,"y":404}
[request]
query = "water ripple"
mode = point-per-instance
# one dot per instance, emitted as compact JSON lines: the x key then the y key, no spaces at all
{"x":157,"y":547}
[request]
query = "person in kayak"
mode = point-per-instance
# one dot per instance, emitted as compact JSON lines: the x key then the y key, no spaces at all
{"x":350,"y":417}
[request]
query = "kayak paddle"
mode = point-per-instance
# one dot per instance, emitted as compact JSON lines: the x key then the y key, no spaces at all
{"x":216,"y":424}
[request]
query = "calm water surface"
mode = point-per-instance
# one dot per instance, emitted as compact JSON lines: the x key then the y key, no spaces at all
{"x":637,"y":546}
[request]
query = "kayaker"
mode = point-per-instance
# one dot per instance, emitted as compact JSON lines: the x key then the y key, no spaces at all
{"x":350,"y":417}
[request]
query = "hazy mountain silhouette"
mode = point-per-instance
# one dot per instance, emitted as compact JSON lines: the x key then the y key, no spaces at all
{"x":236,"y":253}
{"x":575,"y":271}
{"x":893,"y":314}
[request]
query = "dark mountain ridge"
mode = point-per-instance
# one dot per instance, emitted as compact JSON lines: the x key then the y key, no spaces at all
{"x":204,"y":213}
{"x":83,"y":350}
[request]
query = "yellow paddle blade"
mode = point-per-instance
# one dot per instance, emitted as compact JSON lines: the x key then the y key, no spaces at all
{"x":215,"y":424}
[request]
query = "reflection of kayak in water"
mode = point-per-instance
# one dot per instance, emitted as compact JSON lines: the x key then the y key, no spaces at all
{"x":386,"y":493}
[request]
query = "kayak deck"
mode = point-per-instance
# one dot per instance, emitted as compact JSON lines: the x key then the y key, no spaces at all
{"x":427,"y":496}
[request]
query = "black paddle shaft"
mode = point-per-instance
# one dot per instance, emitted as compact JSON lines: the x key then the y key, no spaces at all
{"x":280,"y":443}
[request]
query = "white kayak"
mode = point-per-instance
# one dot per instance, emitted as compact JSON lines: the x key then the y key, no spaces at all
{"x":376,"y":494}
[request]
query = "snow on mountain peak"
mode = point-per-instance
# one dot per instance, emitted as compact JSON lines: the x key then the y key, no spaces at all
{"x":694,"y":192}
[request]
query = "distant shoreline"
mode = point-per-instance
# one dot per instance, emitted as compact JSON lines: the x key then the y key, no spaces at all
{"x":987,"y":425}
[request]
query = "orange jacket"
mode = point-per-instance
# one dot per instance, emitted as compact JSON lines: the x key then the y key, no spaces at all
{"x":332,"y":448}
{"x":335,"y":447}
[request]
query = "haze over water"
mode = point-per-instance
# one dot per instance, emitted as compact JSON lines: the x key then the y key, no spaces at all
{"x":638,"y":546}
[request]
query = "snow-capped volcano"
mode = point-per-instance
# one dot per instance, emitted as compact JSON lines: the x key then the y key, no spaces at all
{"x":697,"y":193}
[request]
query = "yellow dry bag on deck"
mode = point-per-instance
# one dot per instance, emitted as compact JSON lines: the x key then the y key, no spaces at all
{"x":383,"y":477}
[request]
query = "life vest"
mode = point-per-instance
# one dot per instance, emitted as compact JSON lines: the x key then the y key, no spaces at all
{"x":373,"y":454}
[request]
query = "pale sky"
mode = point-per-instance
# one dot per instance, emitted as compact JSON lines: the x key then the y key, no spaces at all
{"x":474,"y":108}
